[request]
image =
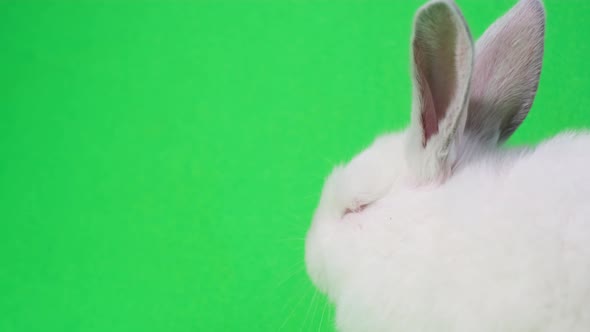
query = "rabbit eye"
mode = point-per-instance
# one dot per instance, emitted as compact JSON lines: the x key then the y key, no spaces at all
{"x":356,"y":209}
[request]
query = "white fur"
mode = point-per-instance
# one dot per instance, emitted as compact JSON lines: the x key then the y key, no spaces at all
{"x":501,"y":244}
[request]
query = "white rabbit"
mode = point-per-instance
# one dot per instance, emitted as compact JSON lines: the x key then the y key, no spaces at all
{"x":438,"y":228}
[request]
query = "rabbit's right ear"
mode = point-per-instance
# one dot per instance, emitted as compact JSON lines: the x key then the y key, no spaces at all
{"x":442,"y":54}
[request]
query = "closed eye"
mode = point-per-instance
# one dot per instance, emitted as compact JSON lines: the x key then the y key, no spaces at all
{"x":357,"y":209}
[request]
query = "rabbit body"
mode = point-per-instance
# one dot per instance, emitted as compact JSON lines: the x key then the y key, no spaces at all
{"x":504,"y":245}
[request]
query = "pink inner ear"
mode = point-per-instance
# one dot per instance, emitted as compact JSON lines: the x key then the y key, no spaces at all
{"x":429,"y":117}
{"x":428,"y":113}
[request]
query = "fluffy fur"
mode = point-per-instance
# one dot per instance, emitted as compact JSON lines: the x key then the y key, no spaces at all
{"x":439,"y":229}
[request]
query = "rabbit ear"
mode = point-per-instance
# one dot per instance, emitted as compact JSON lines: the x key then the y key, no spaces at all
{"x":508,"y":61}
{"x":442,"y":52}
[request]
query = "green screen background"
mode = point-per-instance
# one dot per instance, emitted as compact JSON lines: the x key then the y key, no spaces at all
{"x":161,"y":160}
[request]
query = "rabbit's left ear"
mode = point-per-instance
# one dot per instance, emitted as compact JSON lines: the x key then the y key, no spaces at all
{"x":442,"y":54}
{"x":508,"y":59}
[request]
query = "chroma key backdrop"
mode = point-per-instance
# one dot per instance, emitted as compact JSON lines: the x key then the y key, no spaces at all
{"x":161,"y":159}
